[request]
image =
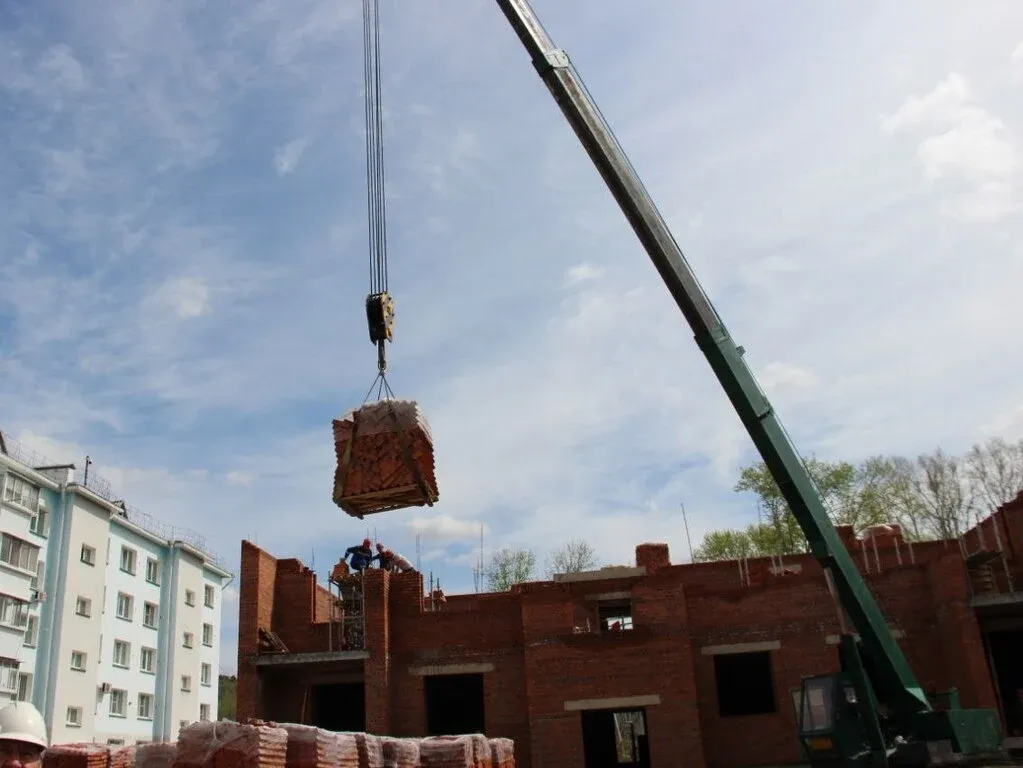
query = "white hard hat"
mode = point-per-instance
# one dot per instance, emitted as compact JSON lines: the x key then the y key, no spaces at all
{"x":20,"y":721}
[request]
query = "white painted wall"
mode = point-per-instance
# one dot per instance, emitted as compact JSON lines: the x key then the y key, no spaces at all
{"x":187,"y":619}
{"x":76,"y":688}
{"x":209,"y":653}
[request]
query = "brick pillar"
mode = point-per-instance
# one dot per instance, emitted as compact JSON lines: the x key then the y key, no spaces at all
{"x":652,"y":556}
{"x":257,"y":579}
{"x":377,"y":666}
{"x":961,"y":641}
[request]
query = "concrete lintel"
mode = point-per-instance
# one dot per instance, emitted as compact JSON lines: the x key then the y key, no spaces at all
{"x":727,"y":648}
{"x":604,"y":574}
{"x":452,"y":669}
{"x":898,"y":634}
{"x":609,"y":596}
{"x":319,"y":657}
{"x":621,"y":702}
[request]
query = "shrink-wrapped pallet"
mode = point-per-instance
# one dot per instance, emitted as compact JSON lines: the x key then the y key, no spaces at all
{"x":371,"y":751}
{"x":480,"y":751}
{"x":502,"y":753}
{"x":310,"y":747}
{"x":231,"y":745}
{"x":446,"y":752}
{"x":122,"y":757}
{"x":76,"y":756}
{"x":348,"y":751}
{"x":384,"y":459}
{"x":156,"y":755}
{"x":400,"y":753}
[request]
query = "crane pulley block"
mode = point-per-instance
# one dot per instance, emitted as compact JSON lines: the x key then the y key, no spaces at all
{"x":380,"y":316}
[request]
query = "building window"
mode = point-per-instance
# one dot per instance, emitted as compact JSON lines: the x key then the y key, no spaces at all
{"x":188,"y":640}
{"x":125,"y":606}
{"x":118,"y":702}
{"x":40,"y":524}
{"x":207,"y":635}
{"x":36,"y":585}
{"x":186,"y":682}
{"x":9,"y":676}
{"x":189,"y":597}
{"x":88,"y":555}
{"x":145,"y":706}
{"x":115,"y":742}
{"x":209,"y":596}
{"x":13,"y":612}
{"x":32,"y":632}
{"x":122,"y":654}
{"x":20,"y":491}
{"x":153,"y":571}
{"x":74,"y":717}
{"x":83,"y":606}
{"x":205,"y":674}
{"x":147,"y":660}
{"x":128,"y":558}
{"x":149,"y":615}
{"x":745,"y":684}
{"x":24,"y":686}
{"x":18,"y":553}
{"x":204,"y":712}
{"x":78,"y":661}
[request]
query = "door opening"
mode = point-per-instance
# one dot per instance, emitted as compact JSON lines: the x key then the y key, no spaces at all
{"x":339,"y":707}
{"x":454,"y":704}
{"x":1008,"y":673}
{"x":612,"y":739}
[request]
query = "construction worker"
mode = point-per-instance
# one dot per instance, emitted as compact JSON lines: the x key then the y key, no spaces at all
{"x":392,"y":561}
{"x":362,"y":556}
{"x":22,"y":736}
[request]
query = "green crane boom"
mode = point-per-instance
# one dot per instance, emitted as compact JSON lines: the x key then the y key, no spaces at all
{"x":910,"y":716}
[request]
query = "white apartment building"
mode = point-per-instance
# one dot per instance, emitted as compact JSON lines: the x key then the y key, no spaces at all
{"x":109,"y":620}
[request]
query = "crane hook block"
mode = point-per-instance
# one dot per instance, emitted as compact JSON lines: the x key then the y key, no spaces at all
{"x":380,"y":316}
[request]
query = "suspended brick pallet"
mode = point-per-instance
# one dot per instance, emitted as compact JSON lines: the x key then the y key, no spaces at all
{"x":384,"y":459}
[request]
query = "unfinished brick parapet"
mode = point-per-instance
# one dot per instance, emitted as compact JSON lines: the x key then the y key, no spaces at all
{"x":545,"y":652}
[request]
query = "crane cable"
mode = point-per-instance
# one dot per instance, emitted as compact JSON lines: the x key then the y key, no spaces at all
{"x":379,"y":305}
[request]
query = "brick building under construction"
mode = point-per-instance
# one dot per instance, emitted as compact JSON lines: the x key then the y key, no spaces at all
{"x":647,"y":662}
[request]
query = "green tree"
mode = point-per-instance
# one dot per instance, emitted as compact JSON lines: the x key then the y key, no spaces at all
{"x":227,"y":697}
{"x":508,"y":567}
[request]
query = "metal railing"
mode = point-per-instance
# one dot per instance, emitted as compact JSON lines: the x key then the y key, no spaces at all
{"x":97,"y":484}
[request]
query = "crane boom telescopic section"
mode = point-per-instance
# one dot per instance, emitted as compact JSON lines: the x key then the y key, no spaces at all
{"x":896,"y":683}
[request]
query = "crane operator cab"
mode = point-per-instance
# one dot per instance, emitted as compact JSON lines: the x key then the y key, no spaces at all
{"x":829,"y":727}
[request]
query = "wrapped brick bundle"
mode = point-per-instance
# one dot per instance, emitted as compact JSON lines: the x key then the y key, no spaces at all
{"x":310,"y":747}
{"x":76,"y":756}
{"x":400,"y":753}
{"x":502,"y":753}
{"x":446,"y":752}
{"x":347,"y":751}
{"x":122,"y":757}
{"x":231,"y":745}
{"x":155,"y":755}
{"x":371,"y":752}
{"x":480,"y":751}
{"x":384,"y":459}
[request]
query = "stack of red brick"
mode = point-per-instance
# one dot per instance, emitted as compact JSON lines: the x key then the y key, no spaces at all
{"x":261,"y":744}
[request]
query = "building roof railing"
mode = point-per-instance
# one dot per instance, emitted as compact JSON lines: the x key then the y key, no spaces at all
{"x":100,"y":486}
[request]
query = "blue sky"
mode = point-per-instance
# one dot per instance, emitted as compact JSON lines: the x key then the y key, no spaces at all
{"x":185,"y":259}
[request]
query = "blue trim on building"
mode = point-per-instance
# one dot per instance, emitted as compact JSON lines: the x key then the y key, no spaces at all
{"x":50,"y":627}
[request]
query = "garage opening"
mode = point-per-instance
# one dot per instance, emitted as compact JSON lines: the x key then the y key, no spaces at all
{"x":454,"y":704}
{"x":339,"y":707}
{"x":745,"y":684}
{"x":615,"y":738}
{"x":1007,"y":663}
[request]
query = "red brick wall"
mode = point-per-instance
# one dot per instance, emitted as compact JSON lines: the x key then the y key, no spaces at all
{"x":540,"y":662}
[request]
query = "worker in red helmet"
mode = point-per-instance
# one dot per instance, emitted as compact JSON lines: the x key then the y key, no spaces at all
{"x":392,"y":561}
{"x":361,"y":554}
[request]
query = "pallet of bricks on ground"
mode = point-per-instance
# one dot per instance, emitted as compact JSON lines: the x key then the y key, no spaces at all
{"x":384,"y":459}
{"x":262,"y":744}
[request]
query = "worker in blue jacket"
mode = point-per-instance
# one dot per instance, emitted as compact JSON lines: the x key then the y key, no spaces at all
{"x":361,"y":554}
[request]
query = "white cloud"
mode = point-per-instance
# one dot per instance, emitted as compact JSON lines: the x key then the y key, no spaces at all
{"x":238,"y":478}
{"x":1017,"y":54}
{"x":442,"y":526}
{"x":187,"y":297}
{"x":287,"y":156}
{"x":965,"y":142}
{"x":582,"y":272}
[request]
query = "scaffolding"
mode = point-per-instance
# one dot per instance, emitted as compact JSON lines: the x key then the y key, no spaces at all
{"x":346,"y":623}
